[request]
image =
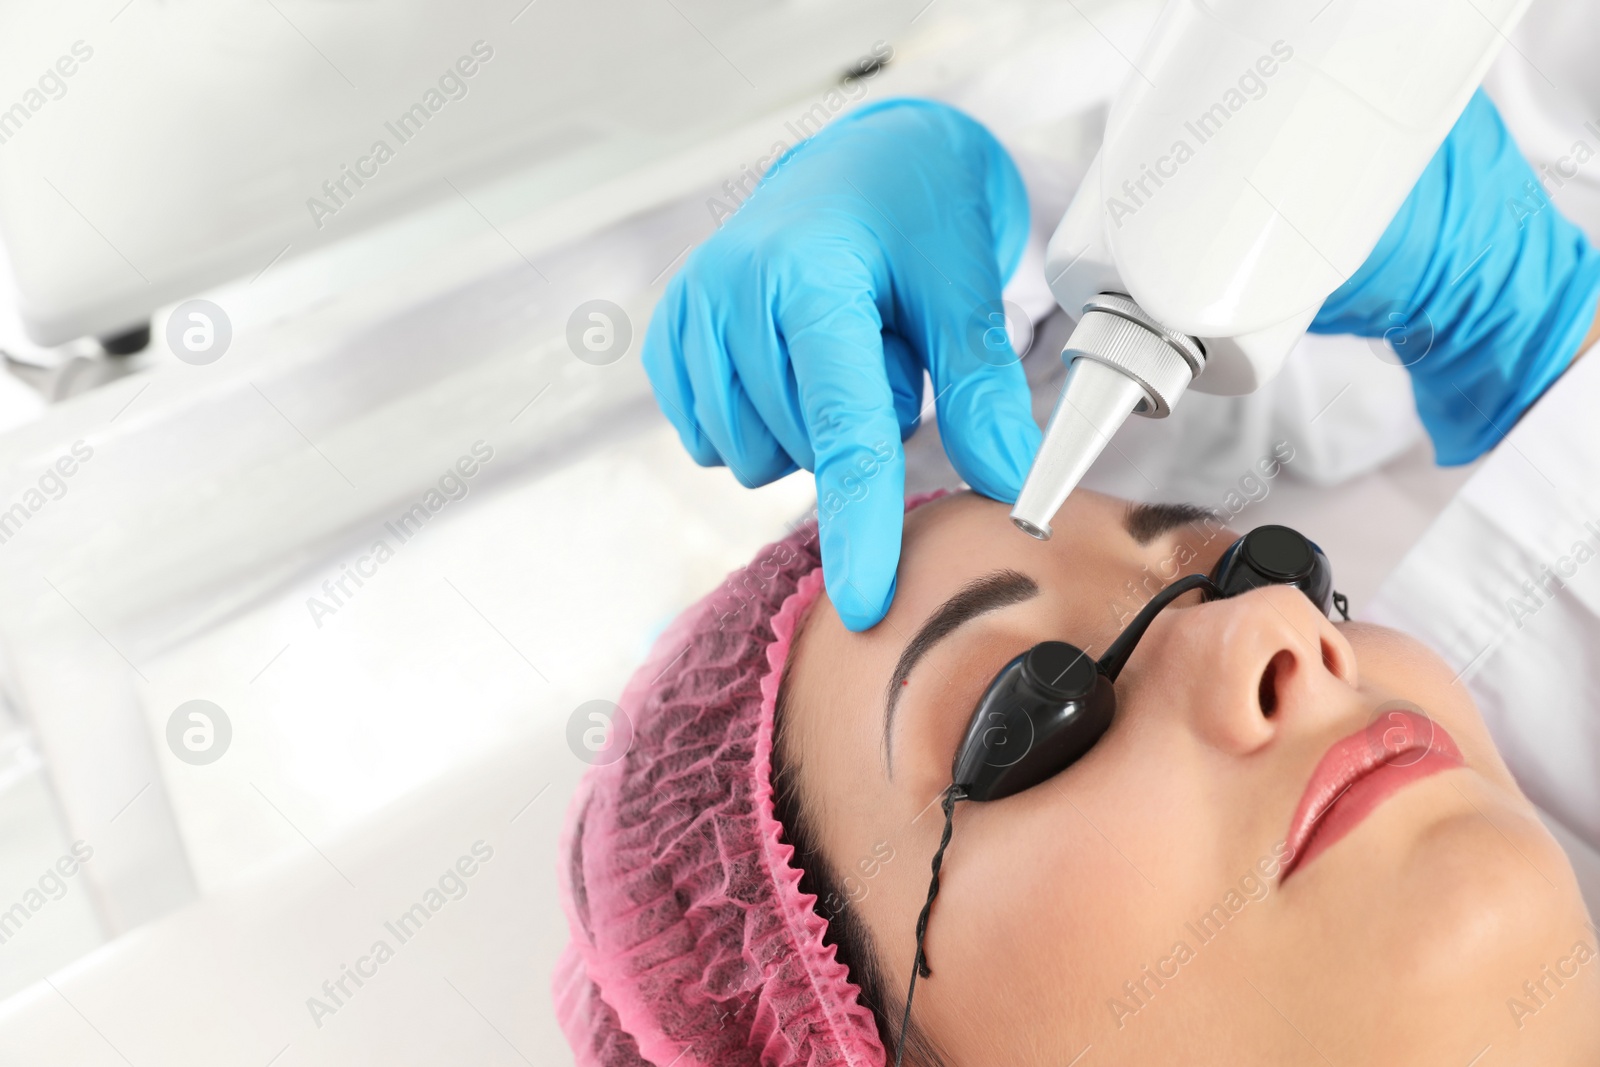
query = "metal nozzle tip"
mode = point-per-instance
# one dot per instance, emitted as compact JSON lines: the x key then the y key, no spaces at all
{"x":1119,"y":361}
{"x":1041,"y":533}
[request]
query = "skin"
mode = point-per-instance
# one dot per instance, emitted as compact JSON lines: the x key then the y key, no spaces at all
{"x":1403,"y":943}
{"x":1590,"y":340}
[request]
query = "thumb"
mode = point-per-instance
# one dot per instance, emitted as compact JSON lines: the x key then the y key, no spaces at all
{"x":984,"y":407}
{"x":957,"y":319}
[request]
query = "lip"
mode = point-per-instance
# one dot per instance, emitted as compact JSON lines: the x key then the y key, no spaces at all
{"x":1360,"y":772}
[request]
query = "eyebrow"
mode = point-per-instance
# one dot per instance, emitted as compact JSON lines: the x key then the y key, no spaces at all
{"x":1146,"y":522}
{"x":993,"y":591}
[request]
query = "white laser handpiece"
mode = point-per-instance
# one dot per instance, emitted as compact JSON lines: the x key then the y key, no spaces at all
{"x":1250,"y":164}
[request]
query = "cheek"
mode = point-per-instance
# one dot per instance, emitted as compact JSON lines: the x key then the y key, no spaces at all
{"x":1037,"y":917}
{"x":1443,"y":915}
{"x":1396,"y":668}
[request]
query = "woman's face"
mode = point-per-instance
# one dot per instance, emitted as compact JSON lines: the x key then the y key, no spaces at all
{"x":1132,"y":905}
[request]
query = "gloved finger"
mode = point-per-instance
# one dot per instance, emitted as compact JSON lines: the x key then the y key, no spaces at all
{"x":905,"y":381}
{"x":815,"y":270}
{"x":981,"y":394}
{"x":735,"y":427}
{"x":753,"y":339}
{"x":985,"y":390}
{"x":985,"y":414}
{"x":665,"y":363}
{"x":836,"y":350}
{"x":723,"y":408}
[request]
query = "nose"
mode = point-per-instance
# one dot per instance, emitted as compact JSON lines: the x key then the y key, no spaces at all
{"x":1242,"y":670}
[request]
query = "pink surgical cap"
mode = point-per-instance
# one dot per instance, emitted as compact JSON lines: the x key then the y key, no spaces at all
{"x":691,"y":941}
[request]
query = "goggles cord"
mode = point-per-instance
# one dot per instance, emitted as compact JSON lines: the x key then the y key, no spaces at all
{"x":920,"y":966}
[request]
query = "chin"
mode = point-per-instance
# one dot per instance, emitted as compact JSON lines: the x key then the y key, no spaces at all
{"x":1485,"y":896}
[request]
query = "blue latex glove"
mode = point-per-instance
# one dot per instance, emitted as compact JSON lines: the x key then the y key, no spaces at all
{"x":1482,"y":288}
{"x":798,"y":334}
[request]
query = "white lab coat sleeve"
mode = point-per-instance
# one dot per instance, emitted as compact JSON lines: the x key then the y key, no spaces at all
{"x":1506,"y":586}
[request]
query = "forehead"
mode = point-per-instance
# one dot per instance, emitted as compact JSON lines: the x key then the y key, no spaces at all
{"x":953,"y":540}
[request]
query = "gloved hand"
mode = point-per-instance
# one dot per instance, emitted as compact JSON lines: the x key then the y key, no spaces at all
{"x":1482,"y":288}
{"x":797,"y":335}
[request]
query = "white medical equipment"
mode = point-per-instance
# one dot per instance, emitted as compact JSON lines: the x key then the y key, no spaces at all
{"x":1251,"y":162}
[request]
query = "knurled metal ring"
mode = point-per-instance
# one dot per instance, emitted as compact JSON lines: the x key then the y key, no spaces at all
{"x":1123,"y":306}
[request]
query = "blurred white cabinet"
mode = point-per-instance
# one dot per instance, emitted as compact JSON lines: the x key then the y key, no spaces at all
{"x":153,"y":150}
